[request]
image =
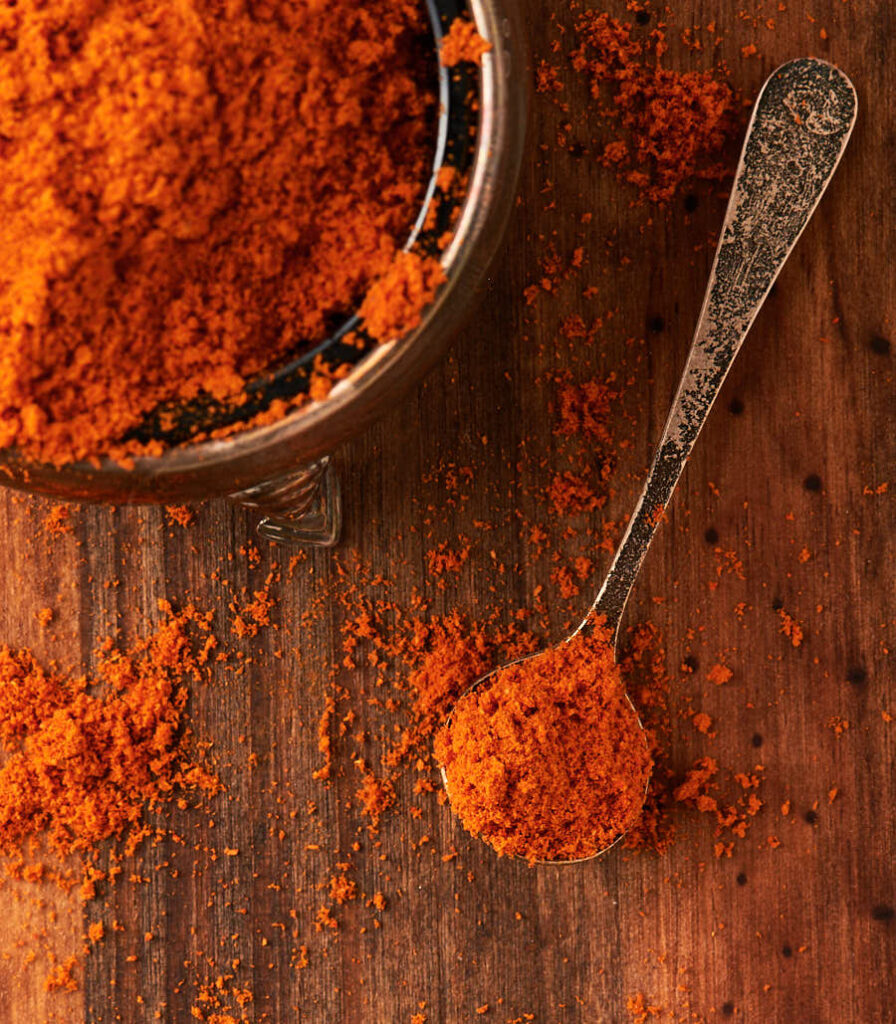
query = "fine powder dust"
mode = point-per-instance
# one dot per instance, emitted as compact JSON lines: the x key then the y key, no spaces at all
{"x":83,"y":759}
{"x":547,"y":759}
{"x":190,"y":192}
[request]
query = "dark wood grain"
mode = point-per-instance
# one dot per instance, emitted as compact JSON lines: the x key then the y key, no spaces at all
{"x":801,"y":932}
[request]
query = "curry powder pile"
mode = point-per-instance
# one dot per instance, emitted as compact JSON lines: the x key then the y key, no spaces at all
{"x":191,"y":192}
{"x":84,"y":759}
{"x":547,"y":760}
{"x":671,"y":126}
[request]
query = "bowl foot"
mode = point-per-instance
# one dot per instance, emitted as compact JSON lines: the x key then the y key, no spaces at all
{"x":302,"y":507}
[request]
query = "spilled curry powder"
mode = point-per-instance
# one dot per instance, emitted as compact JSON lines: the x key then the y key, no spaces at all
{"x":192,"y":192}
{"x":546,"y":760}
{"x":85,"y":758}
{"x":666,"y":126}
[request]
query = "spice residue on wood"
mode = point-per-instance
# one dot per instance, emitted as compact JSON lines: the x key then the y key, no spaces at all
{"x":85,"y":758}
{"x":667,"y":126}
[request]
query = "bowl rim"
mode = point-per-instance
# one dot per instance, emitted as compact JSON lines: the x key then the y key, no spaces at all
{"x":220,"y":466}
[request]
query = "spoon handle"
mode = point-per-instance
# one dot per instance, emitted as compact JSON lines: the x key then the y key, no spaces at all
{"x":801,"y":123}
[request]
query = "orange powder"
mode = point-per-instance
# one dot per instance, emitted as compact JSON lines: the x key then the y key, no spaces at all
{"x":791,"y":628}
{"x":462,"y":43}
{"x":673,"y":125}
{"x":395,"y":302}
{"x":220,"y":1001}
{"x":547,"y":760}
{"x":193,"y":192}
{"x":458,"y":655}
{"x":80,"y":767}
{"x":61,"y":978}
{"x":586,"y":409}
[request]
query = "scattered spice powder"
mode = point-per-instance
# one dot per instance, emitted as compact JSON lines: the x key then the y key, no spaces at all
{"x":675,"y":125}
{"x":457,"y":654}
{"x":838,"y":724}
{"x":221,"y":1001}
{"x":58,"y":521}
{"x":547,"y":760}
{"x":324,"y":919}
{"x":719,"y":674}
{"x":180,"y":515}
{"x":702,"y":722}
{"x":791,"y":628}
{"x":255,"y":613}
{"x":640,"y":1010}
{"x":442,"y":559}
{"x":80,"y":768}
{"x":732,"y":819}
{"x":573,"y":492}
{"x":696,"y":780}
{"x":585,"y":409}
{"x":62,"y":977}
{"x":343,"y":889}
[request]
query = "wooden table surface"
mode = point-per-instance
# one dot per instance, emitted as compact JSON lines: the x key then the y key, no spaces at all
{"x":790,"y":475}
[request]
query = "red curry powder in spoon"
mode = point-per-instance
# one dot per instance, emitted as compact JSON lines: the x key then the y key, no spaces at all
{"x":547,"y":759}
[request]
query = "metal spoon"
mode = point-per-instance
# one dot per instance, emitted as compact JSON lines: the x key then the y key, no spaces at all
{"x":799,"y":129}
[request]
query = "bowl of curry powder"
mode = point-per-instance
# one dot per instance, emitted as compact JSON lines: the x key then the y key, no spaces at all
{"x":232,"y":234}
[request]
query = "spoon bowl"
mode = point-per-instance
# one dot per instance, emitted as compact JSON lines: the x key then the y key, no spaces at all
{"x":481,"y":681}
{"x":798,"y":131}
{"x":611,"y":730}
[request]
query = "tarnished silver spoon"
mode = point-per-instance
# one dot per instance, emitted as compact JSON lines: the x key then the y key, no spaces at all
{"x":799,"y":128}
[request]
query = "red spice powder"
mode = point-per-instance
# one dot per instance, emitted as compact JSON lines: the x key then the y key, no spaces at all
{"x":547,"y":760}
{"x":221,"y":1001}
{"x":838,"y":724}
{"x":230,"y":183}
{"x":582,"y":419}
{"x":394,"y":303}
{"x":462,"y":42}
{"x":342,"y":889}
{"x":62,"y":977}
{"x":586,"y":408}
{"x":458,"y":654}
{"x":80,"y":768}
{"x":181,"y":515}
{"x":676,"y":125}
{"x":573,"y":492}
{"x":719,"y":674}
{"x":58,"y":521}
{"x":640,"y":1010}
{"x":791,"y":628}
{"x":255,"y":613}
{"x":442,"y":559}
{"x":702,"y":722}
{"x":697,"y":779}
{"x":732,"y":819}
